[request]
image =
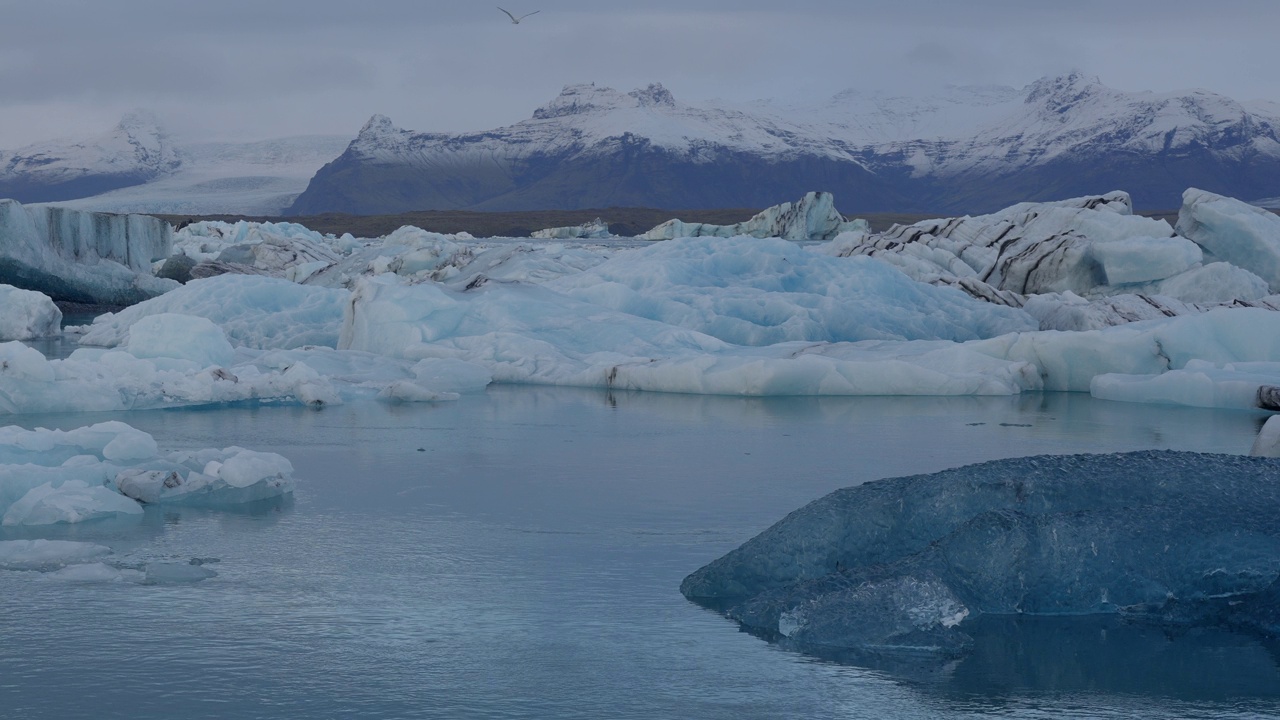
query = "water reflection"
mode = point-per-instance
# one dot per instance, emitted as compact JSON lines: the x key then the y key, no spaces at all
{"x":1025,"y":656}
{"x":517,"y":553}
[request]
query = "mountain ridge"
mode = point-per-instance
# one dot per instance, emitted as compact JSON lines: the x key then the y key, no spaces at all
{"x":975,"y":149}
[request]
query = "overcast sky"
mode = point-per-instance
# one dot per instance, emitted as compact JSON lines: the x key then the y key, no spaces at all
{"x":254,"y":69}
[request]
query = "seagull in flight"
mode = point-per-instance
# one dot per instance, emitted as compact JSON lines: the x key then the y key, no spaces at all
{"x":516,"y":20}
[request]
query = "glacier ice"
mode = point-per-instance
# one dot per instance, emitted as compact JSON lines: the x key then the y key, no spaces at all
{"x":1233,"y":231}
{"x":26,"y":315}
{"x":940,"y":307}
{"x":909,"y":562}
{"x":595,"y":230}
{"x":529,"y":334}
{"x":105,"y":470}
{"x":813,"y":217}
{"x":1143,"y":259}
{"x":254,"y":311}
{"x":83,"y":257}
{"x":1125,"y":267}
{"x":749,"y":291}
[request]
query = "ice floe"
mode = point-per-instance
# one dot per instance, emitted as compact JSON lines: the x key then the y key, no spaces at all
{"x":111,"y":469}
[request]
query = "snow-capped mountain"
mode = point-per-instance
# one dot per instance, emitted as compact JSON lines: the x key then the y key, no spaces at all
{"x":965,"y":150}
{"x":135,"y":151}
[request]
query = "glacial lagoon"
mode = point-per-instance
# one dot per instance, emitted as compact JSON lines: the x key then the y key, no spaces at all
{"x":518,"y":553}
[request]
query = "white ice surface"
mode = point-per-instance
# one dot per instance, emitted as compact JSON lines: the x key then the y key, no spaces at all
{"x":26,"y":314}
{"x":256,"y":312}
{"x":749,"y":291}
{"x":1139,"y":259}
{"x":813,"y":217}
{"x":1233,"y":231}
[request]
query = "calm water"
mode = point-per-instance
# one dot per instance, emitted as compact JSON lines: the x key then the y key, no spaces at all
{"x":518,"y":553}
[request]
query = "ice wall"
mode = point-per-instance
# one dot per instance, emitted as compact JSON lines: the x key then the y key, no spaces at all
{"x":594,"y":230}
{"x":80,"y":256}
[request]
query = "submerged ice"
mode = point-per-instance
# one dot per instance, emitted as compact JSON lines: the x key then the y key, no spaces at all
{"x":1166,"y":537}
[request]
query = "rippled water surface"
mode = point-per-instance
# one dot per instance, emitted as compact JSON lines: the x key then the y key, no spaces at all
{"x":518,"y":554}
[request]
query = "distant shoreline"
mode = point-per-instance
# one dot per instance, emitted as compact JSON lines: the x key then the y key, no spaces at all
{"x":621,"y":221}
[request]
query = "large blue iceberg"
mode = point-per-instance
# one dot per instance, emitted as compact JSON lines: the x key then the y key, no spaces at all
{"x":909,"y":564}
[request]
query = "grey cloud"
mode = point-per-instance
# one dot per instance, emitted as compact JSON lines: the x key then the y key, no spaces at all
{"x":257,"y":68}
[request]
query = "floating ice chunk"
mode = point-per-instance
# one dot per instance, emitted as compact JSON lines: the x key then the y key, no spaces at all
{"x":813,"y":217}
{"x":52,"y":476}
{"x":25,"y":315}
{"x":911,"y":559}
{"x":184,"y":337}
{"x":253,"y":311}
{"x":1233,"y":231}
{"x":228,"y":477}
{"x":246,"y":468}
{"x":1143,"y":259}
{"x":1068,"y":361}
{"x":595,"y":230}
{"x":52,"y":448}
{"x":45,"y":554}
{"x":1198,"y":384}
{"x":71,"y":502}
{"x":1268,"y":442}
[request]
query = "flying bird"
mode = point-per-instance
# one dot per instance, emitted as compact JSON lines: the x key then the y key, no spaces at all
{"x":516,"y":20}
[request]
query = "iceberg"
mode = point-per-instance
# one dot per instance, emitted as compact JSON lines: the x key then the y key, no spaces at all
{"x":813,"y":217}
{"x":1084,"y":251}
{"x":254,"y":311}
{"x":111,"y":469}
{"x":529,"y":334}
{"x":749,"y":291}
{"x":83,"y":257}
{"x":593,"y":230}
{"x":1233,"y":231}
{"x":909,"y":563}
{"x":26,"y":315}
